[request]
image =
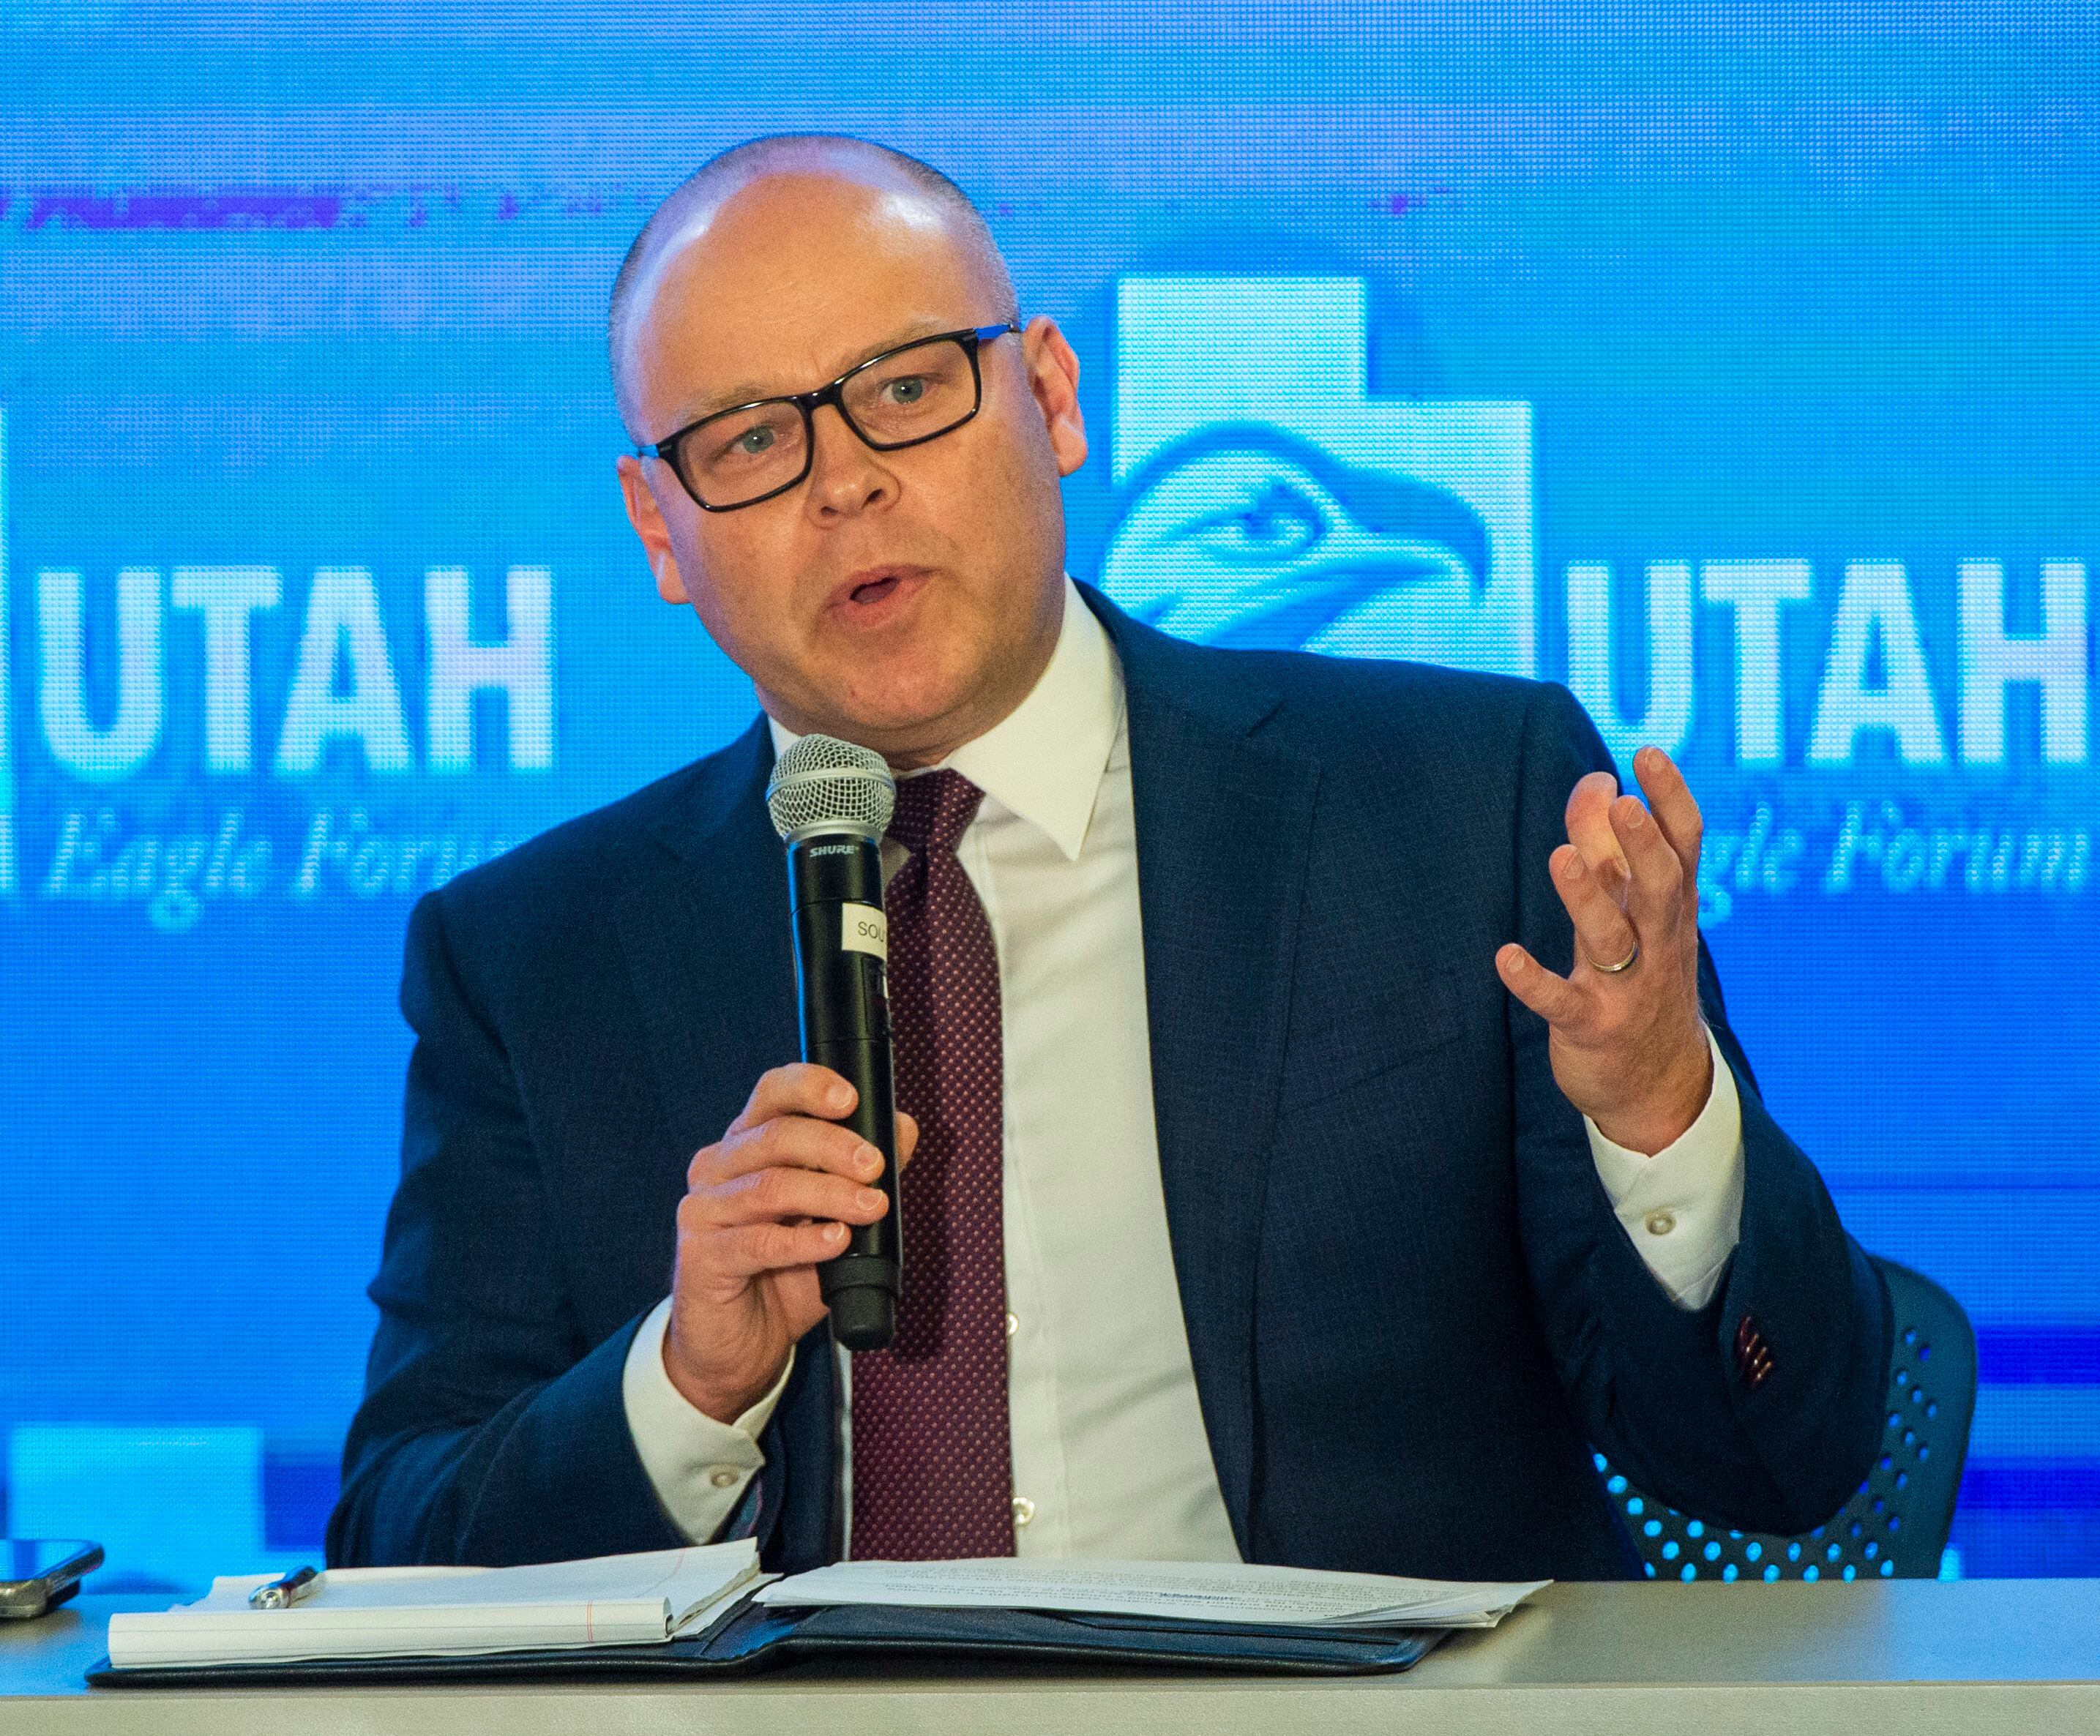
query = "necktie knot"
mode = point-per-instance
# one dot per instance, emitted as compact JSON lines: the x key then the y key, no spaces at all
{"x":933,"y":812}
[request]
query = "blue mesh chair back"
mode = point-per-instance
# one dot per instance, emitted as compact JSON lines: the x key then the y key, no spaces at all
{"x":1895,"y":1526}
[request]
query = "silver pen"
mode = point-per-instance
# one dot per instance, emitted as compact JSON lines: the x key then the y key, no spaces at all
{"x":281,"y":1594}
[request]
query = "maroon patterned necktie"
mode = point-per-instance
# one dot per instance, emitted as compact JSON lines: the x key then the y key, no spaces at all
{"x":932,"y":1464}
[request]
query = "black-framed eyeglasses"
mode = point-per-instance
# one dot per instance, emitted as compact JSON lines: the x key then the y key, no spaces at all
{"x":903,"y":397}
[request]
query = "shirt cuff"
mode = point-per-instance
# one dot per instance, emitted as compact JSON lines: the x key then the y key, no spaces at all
{"x":697,"y":1466}
{"x":1683,"y":1207}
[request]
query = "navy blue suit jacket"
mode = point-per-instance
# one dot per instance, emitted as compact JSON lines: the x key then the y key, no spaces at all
{"x":1409,"y":1306}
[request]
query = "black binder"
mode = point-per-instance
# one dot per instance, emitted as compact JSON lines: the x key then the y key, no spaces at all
{"x":752,"y":1637}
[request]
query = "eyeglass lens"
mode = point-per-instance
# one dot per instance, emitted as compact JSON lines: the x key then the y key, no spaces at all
{"x":912,"y":394}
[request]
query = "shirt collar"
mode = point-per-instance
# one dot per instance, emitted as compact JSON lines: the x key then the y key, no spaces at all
{"x":1043,"y":761}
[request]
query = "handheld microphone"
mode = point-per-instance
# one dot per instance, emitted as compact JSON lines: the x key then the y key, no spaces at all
{"x":831,"y":804}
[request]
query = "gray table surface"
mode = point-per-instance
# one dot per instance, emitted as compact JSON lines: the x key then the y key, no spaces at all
{"x":1910,"y":1658}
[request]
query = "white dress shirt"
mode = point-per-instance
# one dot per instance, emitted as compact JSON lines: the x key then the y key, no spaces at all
{"x":1109,"y":1454}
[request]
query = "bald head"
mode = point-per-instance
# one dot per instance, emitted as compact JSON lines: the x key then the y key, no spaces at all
{"x":918,"y":193}
{"x":904,"y":596}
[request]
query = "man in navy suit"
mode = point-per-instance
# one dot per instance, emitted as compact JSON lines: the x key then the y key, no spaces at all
{"x":1320,"y":1151}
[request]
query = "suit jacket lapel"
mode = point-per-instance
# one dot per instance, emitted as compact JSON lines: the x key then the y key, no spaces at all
{"x":709,"y":946}
{"x":1223,"y":826}
{"x":712,"y":954}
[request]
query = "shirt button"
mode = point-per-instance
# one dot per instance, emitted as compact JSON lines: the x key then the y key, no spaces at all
{"x":1012,"y":1325}
{"x":1024,"y":1509}
{"x":722,"y":1478}
{"x":1661,"y":1224}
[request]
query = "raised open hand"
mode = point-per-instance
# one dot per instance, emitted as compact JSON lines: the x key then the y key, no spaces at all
{"x":1629,"y":1043}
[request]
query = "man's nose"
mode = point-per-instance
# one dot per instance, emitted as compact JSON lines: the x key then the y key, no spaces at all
{"x":846,"y":474}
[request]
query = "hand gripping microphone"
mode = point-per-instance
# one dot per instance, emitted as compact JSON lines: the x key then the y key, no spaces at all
{"x":831,"y":803}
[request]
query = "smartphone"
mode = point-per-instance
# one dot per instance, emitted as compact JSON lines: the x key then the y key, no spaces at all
{"x":38,"y":1574}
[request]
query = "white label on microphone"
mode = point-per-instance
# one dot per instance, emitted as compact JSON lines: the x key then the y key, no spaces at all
{"x":867,"y":930}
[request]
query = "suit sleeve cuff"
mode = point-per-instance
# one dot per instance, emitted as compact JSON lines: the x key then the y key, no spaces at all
{"x":1683,"y":1207}
{"x":699,"y":1467}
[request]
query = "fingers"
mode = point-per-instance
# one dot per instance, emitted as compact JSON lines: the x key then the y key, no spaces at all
{"x":1589,"y":818}
{"x":1603,"y":934}
{"x":1655,"y":873}
{"x":792,"y":1140}
{"x":1670,"y":800}
{"x":1553,"y":999}
{"x":759,"y":1247}
{"x":800,"y":1088}
{"x":770,"y":1196}
{"x":1643,"y":856}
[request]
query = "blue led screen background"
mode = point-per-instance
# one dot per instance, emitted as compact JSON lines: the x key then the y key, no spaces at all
{"x":1742,"y":376}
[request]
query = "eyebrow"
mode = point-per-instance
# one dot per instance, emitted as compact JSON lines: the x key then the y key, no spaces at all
{"x":747,"y":391}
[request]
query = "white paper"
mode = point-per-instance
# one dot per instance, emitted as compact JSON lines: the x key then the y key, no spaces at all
{"x":609,"y":1600}
{"x":1186,"y":1591}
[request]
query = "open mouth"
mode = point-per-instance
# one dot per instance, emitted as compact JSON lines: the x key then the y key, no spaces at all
{"x":873,"y":586}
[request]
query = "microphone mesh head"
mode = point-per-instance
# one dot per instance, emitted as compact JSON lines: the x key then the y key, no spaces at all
{"x":823,"y":784}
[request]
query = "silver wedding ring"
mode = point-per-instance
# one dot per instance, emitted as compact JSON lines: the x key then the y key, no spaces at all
{"x":1625,"y":963}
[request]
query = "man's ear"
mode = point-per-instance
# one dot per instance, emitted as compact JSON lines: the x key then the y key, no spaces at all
{"x":1053,"y":377}
{"x":647,"y":518}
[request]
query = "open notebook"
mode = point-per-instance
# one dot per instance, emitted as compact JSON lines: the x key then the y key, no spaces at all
{"x":710,"y":1609}
{"x":382,"y":1612}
